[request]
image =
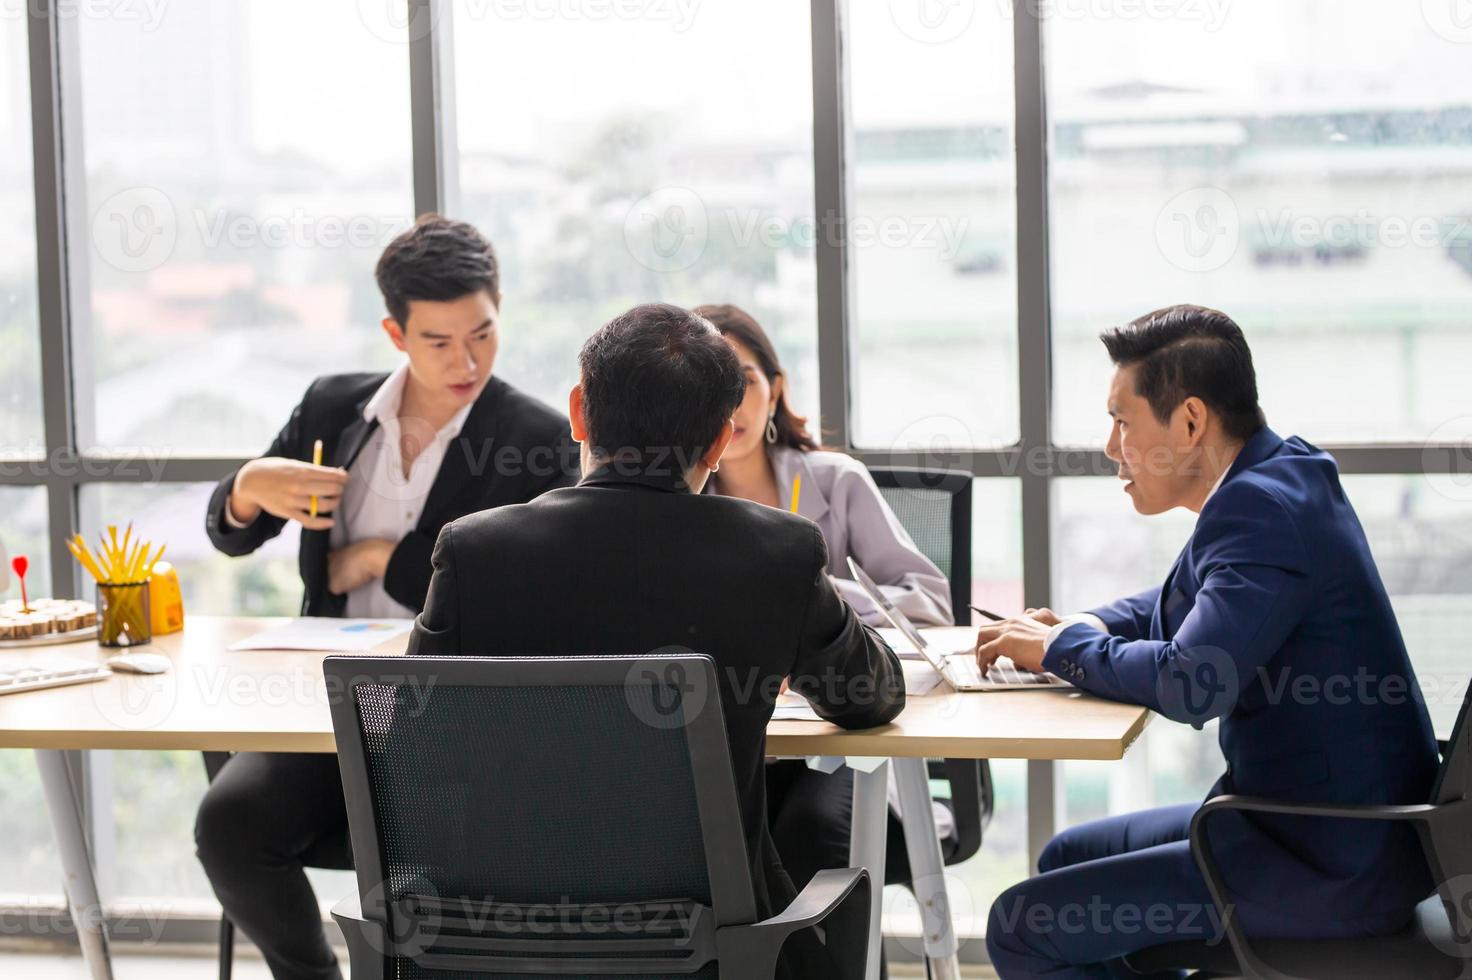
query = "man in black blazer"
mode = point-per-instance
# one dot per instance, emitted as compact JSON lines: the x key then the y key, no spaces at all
{"x":634,"y":559}
{"x":529,"y":439}
{"x":402,"y":454}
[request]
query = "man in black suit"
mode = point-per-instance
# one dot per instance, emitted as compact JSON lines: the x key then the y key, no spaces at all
{"x":634,"y":559}
{"x":403,"y":454}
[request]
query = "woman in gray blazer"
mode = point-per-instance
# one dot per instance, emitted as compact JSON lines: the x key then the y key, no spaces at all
{"x":810,"y":812}
{"x":772,"y":453}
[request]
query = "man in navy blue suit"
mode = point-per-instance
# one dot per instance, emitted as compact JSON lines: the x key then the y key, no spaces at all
{"x":1273,"y":620}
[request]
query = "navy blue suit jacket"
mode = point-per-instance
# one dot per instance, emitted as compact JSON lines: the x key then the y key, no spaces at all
{"x":1275,"y":621}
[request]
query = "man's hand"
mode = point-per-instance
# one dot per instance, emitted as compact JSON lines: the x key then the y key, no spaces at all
{"x":1020,"y":639}
{"x":284,"y":488}
{"x":357,"y":564}
{"x":1045,"y":616}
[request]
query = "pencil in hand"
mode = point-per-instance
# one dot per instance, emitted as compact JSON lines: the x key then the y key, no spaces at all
{"x":989,"y":615}
{"x":316,"y":461}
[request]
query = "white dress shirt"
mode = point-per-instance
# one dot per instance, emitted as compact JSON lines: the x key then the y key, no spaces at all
{"x":379,"y":501}
{"x":1089,"y":619}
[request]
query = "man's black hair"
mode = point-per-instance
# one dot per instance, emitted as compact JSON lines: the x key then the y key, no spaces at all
{"x":658,"y":384}
{"x":1183,"y":351}
{"x":438,"y":260}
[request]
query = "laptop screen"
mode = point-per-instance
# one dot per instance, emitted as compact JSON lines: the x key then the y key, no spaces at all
{"x":898,"y":619}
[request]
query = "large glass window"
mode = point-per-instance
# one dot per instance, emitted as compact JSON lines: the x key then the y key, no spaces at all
{"x":267,"y":583}
{"x":1304,"y":167}
{"x":32,"y":865}
{"x":23,"y":532}
{"x":667,"y":155}
{"x":20,"y":368}
{"x":23,"y":527}
{"x":155,"y":794}
{"x":240,"y":186}
{"x":932,"y":229}
{"x":1420,"y":532}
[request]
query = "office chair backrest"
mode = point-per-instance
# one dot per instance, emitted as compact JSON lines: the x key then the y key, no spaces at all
{"x":1446,"y":833}
{"x":513,"y":792}
{"x":1454,"y":779}
{"x":934,"y":506}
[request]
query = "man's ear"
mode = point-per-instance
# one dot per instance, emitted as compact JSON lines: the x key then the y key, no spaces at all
{"x":575,"y":414}
{"x":712,"y":458}
{"x":394,"y":331}
{"x":1193,"y":416}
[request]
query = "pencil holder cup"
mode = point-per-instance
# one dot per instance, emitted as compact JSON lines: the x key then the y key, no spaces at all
{"x":124,"y":614}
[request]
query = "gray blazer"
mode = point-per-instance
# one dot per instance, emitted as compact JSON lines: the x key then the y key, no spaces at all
{"x":839,"y":496}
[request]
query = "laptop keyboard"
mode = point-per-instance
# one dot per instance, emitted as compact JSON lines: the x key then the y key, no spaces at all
{"x":963,"y":668}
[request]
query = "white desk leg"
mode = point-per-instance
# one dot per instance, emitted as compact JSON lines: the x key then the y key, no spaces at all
{"x":927,"y":869}
{"x":1042,"y":808}
{"x":867,"y":845}
{"x":71,"y":839}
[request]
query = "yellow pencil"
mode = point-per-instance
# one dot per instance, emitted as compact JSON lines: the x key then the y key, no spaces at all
{"x":796,"y":492}
{"x":316,"y":461}
{"x":83,"y":555}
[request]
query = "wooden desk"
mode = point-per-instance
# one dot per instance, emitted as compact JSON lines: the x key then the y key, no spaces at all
{"x":276,"y":701}
{"x":216,"y":699}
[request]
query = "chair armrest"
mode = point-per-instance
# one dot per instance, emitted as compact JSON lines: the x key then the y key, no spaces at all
{"x":350,"y":906}
{"x":367,"y":941}
{"x":1247,"y":959}
{"x":818,"y":900}
{"x":1353,"y":811}
{"x":839,"y":897}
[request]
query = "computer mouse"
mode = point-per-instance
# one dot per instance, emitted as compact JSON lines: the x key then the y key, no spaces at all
{"x":140,"y":663}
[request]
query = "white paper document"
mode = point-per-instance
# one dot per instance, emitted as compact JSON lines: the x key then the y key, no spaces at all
{"x":327,"y":634}
{"x":920,"y":679}
{"x":794,"y":707}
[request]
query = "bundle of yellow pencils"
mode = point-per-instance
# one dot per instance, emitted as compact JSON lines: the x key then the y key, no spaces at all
{"x":118,"y":563}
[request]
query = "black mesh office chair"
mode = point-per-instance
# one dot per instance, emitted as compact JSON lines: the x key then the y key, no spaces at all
{"x":935,"y":508}
{"x":574,"y":816}
{"x":330,"y":854}
{"x":1437,"y":945}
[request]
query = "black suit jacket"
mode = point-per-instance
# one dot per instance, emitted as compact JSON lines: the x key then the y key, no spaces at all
{"x":511,"y":449}
{"x":627,"y":563}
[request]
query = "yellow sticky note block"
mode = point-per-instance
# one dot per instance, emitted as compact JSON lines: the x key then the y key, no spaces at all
{"x":166,"y":599}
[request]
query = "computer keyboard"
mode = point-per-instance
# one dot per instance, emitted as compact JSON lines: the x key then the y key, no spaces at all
{"x":963,"y":668}
{"x":54,"y":673}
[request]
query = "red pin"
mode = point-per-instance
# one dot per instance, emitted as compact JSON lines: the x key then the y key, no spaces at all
{"x":21,"y":564}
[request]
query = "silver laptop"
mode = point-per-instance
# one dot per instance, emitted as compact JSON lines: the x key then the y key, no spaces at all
{"x":957,"y":667}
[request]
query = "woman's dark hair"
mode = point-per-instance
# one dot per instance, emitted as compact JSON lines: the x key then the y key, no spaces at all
{"x":736,"y":324}
{"x":1189,"y":350}
{"x":436,"y":260}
